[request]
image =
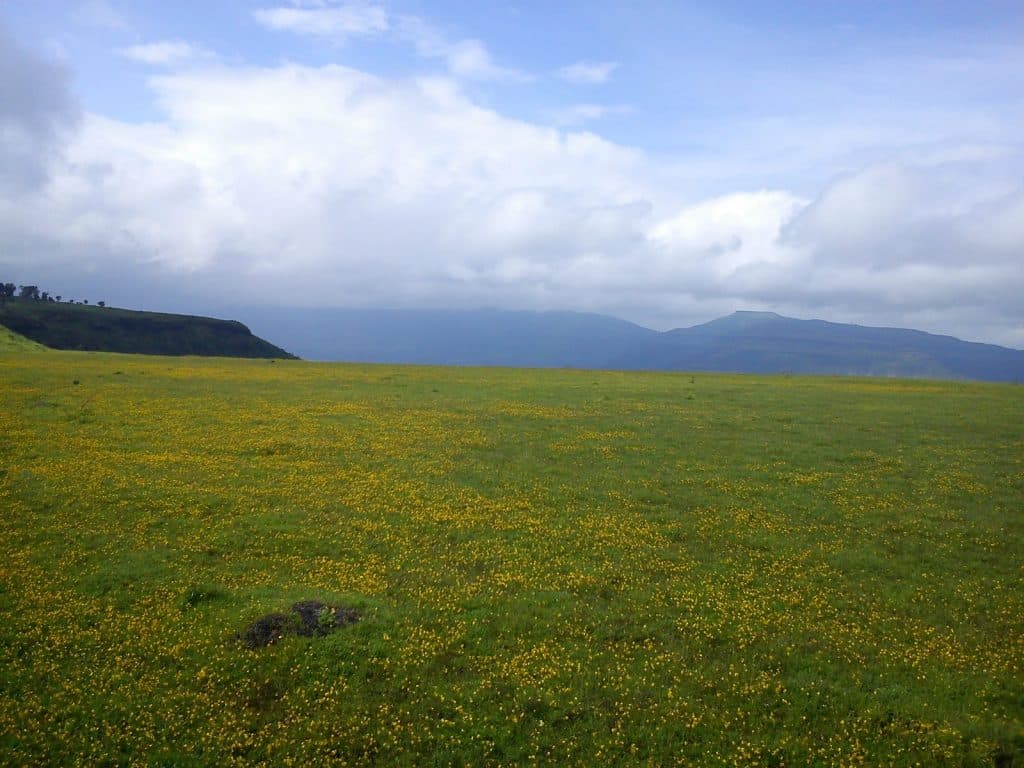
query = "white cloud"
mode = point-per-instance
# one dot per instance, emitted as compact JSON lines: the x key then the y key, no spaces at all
{"x":588,"y":72}
{"x":867,"y":214}
{"x":470,"y":59}
{"x":467,"y":59}
{"x":165,"y":52}
{"x":577,"y":114}
{"x":359,"y":180}
{"x":335,"y":21}
{"x":722,"y":236}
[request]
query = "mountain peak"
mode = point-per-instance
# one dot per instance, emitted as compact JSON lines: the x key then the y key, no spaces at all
{"x":750,"y":314}
{"x":743,"y":319}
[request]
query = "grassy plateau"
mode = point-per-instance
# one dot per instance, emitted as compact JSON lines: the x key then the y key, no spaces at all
{"x":549,"y":567}
{"x":93,"y":328}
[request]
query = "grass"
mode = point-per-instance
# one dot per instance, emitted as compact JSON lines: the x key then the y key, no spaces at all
{"x":552,"y":567}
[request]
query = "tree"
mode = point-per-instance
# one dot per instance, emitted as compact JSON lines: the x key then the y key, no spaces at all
{"x":7,"y":290}
{"x":101,"y":303}
{"x":58,"y":298}
{"x":29,"y":292}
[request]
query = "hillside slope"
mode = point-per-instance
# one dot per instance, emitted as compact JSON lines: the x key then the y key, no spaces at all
{"x":92,"y":328}
{"x":15,"y":342}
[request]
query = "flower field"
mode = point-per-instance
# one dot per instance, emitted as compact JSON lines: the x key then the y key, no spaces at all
{"x":549,"y":567}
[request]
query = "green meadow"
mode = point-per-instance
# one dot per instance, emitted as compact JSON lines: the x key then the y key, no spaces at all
{"x":549,"y":567}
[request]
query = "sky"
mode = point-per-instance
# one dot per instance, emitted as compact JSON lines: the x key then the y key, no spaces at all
{"x":663,"y":162}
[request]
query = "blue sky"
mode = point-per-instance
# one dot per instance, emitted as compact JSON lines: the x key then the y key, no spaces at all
{"x":664,"y":162}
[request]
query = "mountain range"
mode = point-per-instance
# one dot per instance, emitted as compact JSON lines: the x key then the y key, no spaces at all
{"x":743,"y":342}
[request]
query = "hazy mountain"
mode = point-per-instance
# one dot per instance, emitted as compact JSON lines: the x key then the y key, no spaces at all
{"x":753,"y":342}
{"x":764,"y":342}
{"x":451,"y":337}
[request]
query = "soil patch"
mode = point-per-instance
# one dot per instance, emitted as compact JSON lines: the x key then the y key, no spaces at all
{"x":307,"y":618}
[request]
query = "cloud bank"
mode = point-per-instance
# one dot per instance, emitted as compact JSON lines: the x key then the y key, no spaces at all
{"x":328,"y":186}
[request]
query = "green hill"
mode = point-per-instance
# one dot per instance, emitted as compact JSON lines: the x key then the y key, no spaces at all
{"x":93,"y":328}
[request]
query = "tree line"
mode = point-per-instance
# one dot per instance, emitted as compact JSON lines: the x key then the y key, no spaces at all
{"x":32,"y":293}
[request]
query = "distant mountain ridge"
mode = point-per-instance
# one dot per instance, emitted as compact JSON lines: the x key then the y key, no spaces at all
{"x":92,"y":328}
{"x":765,"y":342}
{"x":450,"y":337}
{"x":743,"y":342}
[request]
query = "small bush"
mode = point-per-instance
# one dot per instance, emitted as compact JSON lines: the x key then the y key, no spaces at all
{"x":307,"y":618}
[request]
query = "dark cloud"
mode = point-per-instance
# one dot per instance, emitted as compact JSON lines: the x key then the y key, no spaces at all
{"x":37,"y":110}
